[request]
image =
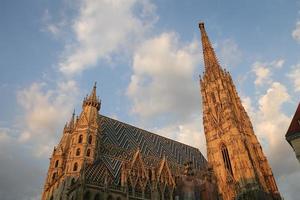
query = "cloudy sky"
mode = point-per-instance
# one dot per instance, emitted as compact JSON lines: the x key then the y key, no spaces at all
{"x":146,"y":57}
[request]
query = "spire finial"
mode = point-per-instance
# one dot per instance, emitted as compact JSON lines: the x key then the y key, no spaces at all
{"x":72,"y":120}
{"x":210,"y":59}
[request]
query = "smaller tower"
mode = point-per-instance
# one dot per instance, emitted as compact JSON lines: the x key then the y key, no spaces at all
{"x":83,"y":141}
{"x":293,"y":133}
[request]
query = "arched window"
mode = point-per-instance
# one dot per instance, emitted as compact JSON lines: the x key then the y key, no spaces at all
{"x":56,"y":164}
{"x":75,"y":167}
{"x":90,"y":139}
{"x":226,"y":159}
{"x":88,"y":153}
{"x":80,"y":139}
{"x":78,"y":152}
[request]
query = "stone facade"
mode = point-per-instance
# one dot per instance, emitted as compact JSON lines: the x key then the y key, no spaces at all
{"x":233,"y":150}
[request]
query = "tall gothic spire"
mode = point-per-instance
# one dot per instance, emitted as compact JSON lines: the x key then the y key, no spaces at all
{"x":92,"y":99}
{"x":210,"y":58}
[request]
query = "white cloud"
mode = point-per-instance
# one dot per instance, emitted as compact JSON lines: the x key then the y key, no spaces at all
{"x":294,"y":74}
{"x":263,"y":72}
{"x":98,"y":36}
{"x":18,"y":168}
{"x":190,"y":133}
{"x":230,"y":54}
{"x":296,"y":32}
{"x":162,"y":80}
{"x":56,"y":28}
{"x":45,"y":112}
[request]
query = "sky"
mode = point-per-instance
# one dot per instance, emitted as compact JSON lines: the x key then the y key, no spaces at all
{"x":145,"y":56}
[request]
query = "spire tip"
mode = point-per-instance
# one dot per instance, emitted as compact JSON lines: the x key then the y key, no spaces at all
{"x":201,"y":24}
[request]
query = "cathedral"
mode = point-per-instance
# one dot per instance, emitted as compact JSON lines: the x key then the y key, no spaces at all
{"x":100,"y":158}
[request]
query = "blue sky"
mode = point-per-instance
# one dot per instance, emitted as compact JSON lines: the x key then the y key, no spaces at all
{"x":145,"y":56}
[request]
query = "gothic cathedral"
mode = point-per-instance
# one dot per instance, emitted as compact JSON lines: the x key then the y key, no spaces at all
{"x":100,"y":158}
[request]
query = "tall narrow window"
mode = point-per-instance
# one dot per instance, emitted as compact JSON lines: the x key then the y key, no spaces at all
{"x":226,"y":159}
{"x":75,"y":167}
{"x":78,"y":152}
{"x":54,"y":175}
{"x":90,"y":139}
{"x":80,"y":139}
{"x":56,"y":163}
{"x":88,"y":153}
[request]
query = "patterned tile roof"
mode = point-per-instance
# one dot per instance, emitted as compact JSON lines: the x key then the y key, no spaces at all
{"x":119,"y":141}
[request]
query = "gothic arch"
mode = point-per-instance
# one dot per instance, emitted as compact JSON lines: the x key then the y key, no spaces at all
{"x":164,"y":173}
{"x":226,"y":158}
{"x":137,"y":173}
{"x":75,"y":167}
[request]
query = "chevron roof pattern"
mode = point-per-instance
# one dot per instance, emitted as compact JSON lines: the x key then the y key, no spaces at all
{"x":119,"y":141}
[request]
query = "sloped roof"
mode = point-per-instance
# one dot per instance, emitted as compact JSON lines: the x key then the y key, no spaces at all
{"x":294,"y":127}
{"x":119,"y":141}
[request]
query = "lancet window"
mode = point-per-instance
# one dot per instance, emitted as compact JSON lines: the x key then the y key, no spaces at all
{"x":226,"y":159}
{"x":56,"y":163}
{"x":78,"y":152}
{"x":80,"y":139}
{"x":90,"y":139}
{"x":75,"y":167}
{"x":88,"y":152}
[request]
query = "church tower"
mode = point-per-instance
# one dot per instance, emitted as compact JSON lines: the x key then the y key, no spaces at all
{"x":83,"y":141}
{"x":75,"y":150}
{"x":233,"y":150}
